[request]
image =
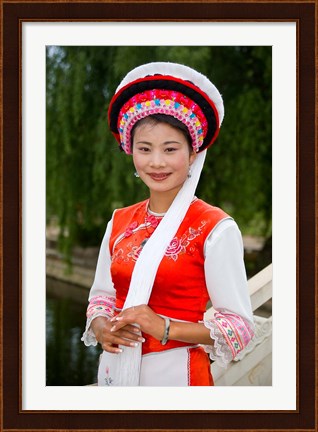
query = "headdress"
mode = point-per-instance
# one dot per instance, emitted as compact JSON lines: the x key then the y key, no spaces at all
{"x":186,"y":94}
{"x":167,"y":88}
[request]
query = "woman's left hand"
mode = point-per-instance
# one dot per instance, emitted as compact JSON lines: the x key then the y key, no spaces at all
{"x":142,"y":315}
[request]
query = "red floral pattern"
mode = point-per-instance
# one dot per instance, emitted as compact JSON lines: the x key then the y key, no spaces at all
{"x":177,"y":246}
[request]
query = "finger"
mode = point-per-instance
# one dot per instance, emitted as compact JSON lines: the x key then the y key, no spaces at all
{"x":133,"y":329}
{"x":129,"y":318}
{"x":117,"y":326}
{"x":123,"y":337}
{"x":119,"y":316}
{"x":112,"y":349}
{"x":125,"y":342}
{"x":130,"y":336}
{"x":126,"y":333}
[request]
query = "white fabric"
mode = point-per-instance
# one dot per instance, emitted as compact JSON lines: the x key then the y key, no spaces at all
{"x":220,"y":352}
{"x":171,"y":369}
{"x":103,"y":284}
{"x":178,"y":71}
{"x":225,"y":271}
{"x":108,"y":370}
{"x":142,"y":281}
{"x":224,"y":248}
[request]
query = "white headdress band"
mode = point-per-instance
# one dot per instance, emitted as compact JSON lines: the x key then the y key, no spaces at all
{"x":171,"y":89}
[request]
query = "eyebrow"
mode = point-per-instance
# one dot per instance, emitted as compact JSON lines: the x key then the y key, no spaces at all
{"x":171,"y":142}
{"x":165,"y":143}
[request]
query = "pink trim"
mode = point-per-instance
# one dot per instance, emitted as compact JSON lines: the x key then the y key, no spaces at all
{"x":233,"y":331}
{"x":101,"y":304}
{"x":166,"y":102}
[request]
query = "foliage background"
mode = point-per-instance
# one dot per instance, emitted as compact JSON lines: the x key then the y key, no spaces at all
{"x":87,"y":176}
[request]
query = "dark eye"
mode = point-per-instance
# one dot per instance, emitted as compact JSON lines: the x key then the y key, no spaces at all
{"x":144,"y":149}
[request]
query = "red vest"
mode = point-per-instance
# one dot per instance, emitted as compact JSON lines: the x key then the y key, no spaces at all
{"x":179,"y":289}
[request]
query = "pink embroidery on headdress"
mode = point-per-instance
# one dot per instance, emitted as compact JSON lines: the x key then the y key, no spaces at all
{"x":166,"y":102}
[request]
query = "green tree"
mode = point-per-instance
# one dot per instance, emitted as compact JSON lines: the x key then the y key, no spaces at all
{"x":87,"y":176}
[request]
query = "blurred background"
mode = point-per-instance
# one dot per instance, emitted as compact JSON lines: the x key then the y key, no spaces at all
{"x":87,"y":177}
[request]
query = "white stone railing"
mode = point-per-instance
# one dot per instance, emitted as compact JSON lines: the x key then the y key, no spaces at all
{"x":255,"y":367}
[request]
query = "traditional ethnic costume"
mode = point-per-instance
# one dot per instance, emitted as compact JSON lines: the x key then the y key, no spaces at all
{"x":175,"y":262}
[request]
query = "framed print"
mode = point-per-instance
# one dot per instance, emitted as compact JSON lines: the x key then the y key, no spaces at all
{"x":28,"y":28}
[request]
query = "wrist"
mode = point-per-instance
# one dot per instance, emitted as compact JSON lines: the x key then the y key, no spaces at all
{"x":165,"y":336}
{"x":98,"y":323}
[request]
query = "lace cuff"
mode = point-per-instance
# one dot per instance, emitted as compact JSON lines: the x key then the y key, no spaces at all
{"x":231,"y":335}
{"x":98,"y":306}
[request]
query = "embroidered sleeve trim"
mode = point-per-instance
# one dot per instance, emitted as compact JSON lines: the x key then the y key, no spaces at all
{"x":98,"y":306}
{"x":231,"y":335}
{"x":101,"y":303}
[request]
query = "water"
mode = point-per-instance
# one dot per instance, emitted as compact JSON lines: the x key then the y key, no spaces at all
{"x":68,"y":361}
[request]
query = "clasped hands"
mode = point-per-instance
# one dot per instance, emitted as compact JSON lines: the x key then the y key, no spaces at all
{"x":127,"y":327}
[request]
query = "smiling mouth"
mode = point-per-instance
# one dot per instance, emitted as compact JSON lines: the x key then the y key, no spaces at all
{"x":159,"y":176}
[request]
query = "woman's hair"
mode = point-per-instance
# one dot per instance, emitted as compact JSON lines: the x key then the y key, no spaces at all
{"x":155,"y":119}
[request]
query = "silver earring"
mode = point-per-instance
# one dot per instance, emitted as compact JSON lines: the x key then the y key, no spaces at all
{"x":190,"y":172}
{"x":136,"y":174}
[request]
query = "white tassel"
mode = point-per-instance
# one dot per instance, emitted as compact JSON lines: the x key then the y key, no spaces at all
{"x":129,"y":362}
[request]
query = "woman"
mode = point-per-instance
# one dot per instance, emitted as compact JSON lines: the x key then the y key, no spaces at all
{"x":163,"y":259}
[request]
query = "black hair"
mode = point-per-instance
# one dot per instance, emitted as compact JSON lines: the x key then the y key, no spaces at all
{"x":167,"y":119}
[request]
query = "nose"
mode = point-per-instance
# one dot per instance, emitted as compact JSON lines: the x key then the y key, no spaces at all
{"x":157,"y":160}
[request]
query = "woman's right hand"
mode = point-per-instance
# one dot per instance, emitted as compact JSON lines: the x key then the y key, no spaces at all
{"x":128,"y":336}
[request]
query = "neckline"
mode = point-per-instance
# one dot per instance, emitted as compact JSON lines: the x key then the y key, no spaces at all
{"x":162,"y":214}
{"x":154,"y":213}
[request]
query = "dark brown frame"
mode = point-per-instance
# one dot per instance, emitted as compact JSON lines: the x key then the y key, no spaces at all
{"x":13,"y":13}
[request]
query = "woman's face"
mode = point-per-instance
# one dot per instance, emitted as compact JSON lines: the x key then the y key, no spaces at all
{"x":161,"y":157}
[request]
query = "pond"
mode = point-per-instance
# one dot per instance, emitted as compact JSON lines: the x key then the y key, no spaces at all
{"x":68,"y":361}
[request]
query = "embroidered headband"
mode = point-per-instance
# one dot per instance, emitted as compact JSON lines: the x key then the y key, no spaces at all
{"x":171,"y":89}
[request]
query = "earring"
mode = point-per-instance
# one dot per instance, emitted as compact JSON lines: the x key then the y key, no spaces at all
{"x":136,"y":174}
{"x":190,"y":172}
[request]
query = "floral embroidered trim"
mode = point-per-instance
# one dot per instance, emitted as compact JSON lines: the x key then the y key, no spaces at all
{"x":98,"y":306}
{"x":176,"y":247}
{"x":162,"y":102}
{"x":101,"y":304}
{"x":231,"y":334}
{"x":132,"y":228}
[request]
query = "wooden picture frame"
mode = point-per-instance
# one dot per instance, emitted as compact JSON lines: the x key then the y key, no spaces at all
{"x":13,"y":14}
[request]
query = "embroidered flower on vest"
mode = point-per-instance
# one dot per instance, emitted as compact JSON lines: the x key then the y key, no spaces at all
{"x":175,"y":248}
